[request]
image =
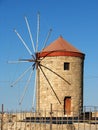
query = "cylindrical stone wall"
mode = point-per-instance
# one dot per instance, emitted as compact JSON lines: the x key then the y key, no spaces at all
{"x":64,"y":83}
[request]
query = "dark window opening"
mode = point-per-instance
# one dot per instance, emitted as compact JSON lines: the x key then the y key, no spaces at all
{"x":66,"y":66}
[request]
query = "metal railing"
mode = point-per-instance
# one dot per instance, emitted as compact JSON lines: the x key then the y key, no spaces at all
{"x":28,"y":120}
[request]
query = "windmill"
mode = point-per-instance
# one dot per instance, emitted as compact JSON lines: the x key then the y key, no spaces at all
{"x":58,"y":71}
{"x":35,"y":61}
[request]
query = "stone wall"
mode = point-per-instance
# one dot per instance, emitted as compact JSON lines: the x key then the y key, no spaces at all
{"x":16,"y":121}
{"x":64,"y":83}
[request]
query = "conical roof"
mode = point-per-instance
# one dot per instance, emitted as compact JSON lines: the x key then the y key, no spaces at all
{"x":60,"y":47}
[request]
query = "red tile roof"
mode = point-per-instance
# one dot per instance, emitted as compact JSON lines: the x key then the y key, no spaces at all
{"x":60,"y":47}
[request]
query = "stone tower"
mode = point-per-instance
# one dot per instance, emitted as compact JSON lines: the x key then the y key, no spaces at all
{"x":60,"y":78}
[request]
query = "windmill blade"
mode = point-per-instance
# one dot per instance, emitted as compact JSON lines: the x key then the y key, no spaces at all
{"x":34,"y":92}
{"x":15,"y":62}
{"x":26,"y":87}
{"x":48,"y":35}
{"x":38,"y":30}
{"x":28,"y":27}
{"x":24,"y":43}
{"x":27,"y":60}
{"x":34,"y":57}
{"x":55,"y":73}
{"x":21,"y":76}
{"x":50,"y":85}
{"x":30,"y":60}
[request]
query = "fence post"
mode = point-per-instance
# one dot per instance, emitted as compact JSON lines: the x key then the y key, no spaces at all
{"x":2,"y":117}
{"x":51,"y":116}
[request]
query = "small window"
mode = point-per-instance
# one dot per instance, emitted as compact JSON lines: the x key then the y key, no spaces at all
{"x":66,"y":66}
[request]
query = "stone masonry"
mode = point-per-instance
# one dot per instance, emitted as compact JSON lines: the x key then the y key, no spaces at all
{"x":66,"y":83}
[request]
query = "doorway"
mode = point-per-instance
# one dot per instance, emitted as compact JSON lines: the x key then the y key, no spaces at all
{"x":67,"y":105}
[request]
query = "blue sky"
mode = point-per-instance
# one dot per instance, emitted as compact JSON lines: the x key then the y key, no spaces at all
{"x":75,"y":20}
